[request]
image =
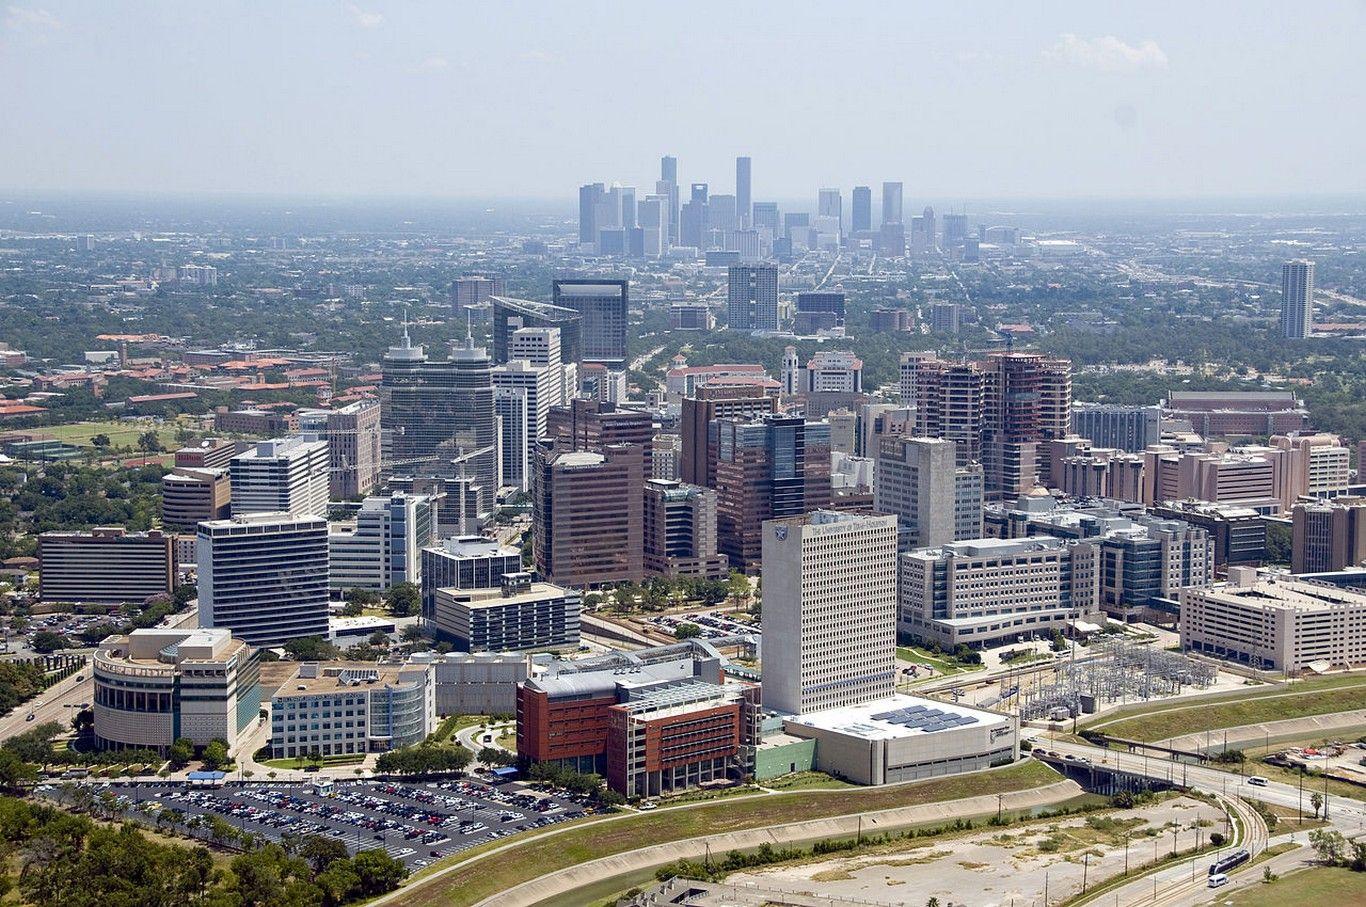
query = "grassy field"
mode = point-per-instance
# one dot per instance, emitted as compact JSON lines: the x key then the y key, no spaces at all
{"x":807,"y":781}
{"x":1309,"y":886}
{"x":1319,"y":696}
{"x":943,"y":666}
{"x":295,"y":765}
{"x":596,"y":838}
{"x":121,"y":434}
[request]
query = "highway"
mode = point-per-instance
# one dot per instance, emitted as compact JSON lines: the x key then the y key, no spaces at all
{"x":56,"y":703}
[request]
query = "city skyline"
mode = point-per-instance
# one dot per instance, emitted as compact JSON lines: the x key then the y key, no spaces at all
{"x":1095,"y":103}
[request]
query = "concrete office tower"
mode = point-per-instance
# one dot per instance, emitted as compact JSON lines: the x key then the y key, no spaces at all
{"x":767,"y":221}
{"x":697,"y":461}
{"x":354,"y":445}
{"x":511,"y":315}
{"x":862,"y":221}
{"x":829,"y":611}
{"x":652,"y":212}
{"x":264,"y":576}
{"x":680,"y":531}
{"x":752,"y":298}
{"x":935,"y":500}
{"x":106,"y":565}
{"x":1328,"y":535}
{"x":190,"y":495}
{"x":436,"y":412}
{"x":590,"y":201}
{"x":602,"y":305}
{"x":692,"y":218}
{"x":285,"y":474}
{"x":383,"y":545}
{"x":778,"y":466}
{"x":891,"y":203}
{"x":831,"y":204}
{"x":468,"y":292}
{"x":668,"y":185}
{"x":626,"y":217}
{"x":945,"y":317}
{"x":586,"y":528}
{"x":466,"y":562}
{"x":743,"y":200}
{"x":1297,"y":299}
{"x":1128,"y":428}
{"x":541,"y":388}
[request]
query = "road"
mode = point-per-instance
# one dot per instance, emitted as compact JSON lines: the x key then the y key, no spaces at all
{"x":57,"y":703}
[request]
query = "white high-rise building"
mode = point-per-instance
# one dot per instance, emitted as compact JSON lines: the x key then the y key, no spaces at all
{"x":284,"y":474}
{"x":510,"y":403}
{"x":384,"y":544}
{"x":539,"y":385}
{"x":264,"y":576}
{"x":541,"y":347}
{"x":829,"y":583}
{"x":1297,"y":299}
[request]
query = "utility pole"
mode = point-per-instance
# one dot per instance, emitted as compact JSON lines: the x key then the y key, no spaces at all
{"x":999,"y":798}
{"x":1085,"y":866}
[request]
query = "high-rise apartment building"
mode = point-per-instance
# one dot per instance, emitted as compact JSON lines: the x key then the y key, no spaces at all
{"x":752,"y":297}
{"x":778,"y":466}
{"x":438,"y":412}
{"x":1297,"y":299}
{"x":602,"y":306}
{"x":514,"y":447}
{"x":935,"y":500}
{"x":743,"y":200}
{"x":680,"y":531}
{"x":354,"y":445}
{"x":586,"y":527}
{"x":697,"y":464}
{"x":862,"y":216}
{"x":264,"y":576}
{"x":945,"y":317}
{"x":891,"y":203}
{"x":383,"y":545}
{"x":284,"y":474}
{"x":829,"y":583}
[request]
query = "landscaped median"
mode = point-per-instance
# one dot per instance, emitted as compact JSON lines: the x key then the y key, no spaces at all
{"x":592,"y":839}
{"x":1318,"y":696}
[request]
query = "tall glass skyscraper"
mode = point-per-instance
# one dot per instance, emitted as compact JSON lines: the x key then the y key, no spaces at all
{"x":437,"y":411}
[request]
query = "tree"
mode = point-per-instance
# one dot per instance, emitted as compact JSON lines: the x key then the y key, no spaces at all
{"x":1316,"y":801}
{"x":492,"y":755}
{"x":321,"y":851}
{"x":339,"y":883}
{"x":182,"y":751}
{"x":15,"y":772}
{"x":84,"y":722}
{"x":150,"y":442}
{"x":47,"y":642}
{"x":1331,"y":846}
{"x":687,"y":630}
{"x":1217,"y":839}
{"x":378,"y":872}
{"x":216,"y":754}
{"x":404,"y":599}
{"x":310,"y":648}
{"x":411,"y":633}
{"x":378,"y":638}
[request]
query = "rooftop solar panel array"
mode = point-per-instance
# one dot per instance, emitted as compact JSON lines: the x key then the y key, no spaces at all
{"x":924,"y":719}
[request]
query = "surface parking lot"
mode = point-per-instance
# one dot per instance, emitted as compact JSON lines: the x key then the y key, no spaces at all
{"x":416,"y":822}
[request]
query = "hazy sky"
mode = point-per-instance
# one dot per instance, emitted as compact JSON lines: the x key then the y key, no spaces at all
{"x":492,"y":99}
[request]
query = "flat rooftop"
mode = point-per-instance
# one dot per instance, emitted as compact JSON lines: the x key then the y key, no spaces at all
{"x":1288,"y":594}
{"x":898,"y":716}
{"x":338,"y":676}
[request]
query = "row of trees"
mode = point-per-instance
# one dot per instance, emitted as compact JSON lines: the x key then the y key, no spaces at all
{"x":657,"y":593}
{"x":420,"y":760}
{"x":402,"y":600}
